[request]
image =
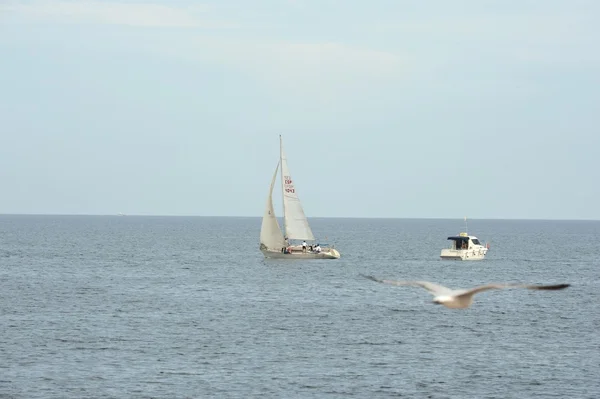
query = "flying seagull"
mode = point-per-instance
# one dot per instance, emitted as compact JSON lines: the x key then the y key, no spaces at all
{"x":461,"y":299}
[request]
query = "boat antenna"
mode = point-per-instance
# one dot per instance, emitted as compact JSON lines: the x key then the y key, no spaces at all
{"x":466,"y":226}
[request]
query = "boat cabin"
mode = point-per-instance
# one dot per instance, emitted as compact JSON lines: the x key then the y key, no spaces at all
{"x":463,"y":241}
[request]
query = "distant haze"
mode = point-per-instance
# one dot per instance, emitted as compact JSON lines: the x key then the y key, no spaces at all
{"x":430,"y":109}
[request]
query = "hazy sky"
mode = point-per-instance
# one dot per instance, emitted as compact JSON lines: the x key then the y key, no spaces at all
{"x":488,"y":109}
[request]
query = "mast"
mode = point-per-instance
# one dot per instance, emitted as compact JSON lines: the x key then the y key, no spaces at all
{"x":282,"y":186}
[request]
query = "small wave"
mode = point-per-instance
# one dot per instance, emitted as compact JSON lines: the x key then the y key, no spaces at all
{"x":369,"y":343}
{"x":179,"y":373}
{"x":72,"y":341}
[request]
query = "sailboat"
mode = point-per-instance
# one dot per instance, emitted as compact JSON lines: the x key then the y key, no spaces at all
{"x":275,"y":243}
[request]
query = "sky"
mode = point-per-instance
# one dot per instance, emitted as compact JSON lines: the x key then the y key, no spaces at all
{"x":387,"y":108}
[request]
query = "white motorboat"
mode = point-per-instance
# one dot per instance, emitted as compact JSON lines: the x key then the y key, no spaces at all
{"x":465,"y":247}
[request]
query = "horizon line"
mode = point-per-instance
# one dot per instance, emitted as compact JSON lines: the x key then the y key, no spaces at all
{"x":313,"y":217}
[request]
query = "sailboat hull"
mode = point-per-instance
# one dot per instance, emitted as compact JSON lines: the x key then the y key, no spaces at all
{"x":326,"y":254}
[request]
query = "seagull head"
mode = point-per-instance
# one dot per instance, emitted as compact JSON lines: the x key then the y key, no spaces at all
{"x":454,"y":302}
{"x":442,"y":299}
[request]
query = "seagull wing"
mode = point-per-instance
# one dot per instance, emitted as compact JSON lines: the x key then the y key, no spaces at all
{"x":488,"y":287}
{"x":435,"y":289}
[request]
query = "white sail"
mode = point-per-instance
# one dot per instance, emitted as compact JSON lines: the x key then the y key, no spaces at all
{"x":270,"y":233}
{"x":295,"y":222}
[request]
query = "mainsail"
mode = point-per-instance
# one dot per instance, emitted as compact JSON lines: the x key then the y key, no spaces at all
{"x":295,"y":222}
{"x":270,"y":233}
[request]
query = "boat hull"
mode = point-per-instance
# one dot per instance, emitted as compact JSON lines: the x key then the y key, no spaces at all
{"x":463,"y":254}
{"x":329,"y":253}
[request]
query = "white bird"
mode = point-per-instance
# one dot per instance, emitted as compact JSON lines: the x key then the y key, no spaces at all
{"x":461,"y":299}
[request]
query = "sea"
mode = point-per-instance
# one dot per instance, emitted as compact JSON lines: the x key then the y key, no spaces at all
{"x":187,"y":307}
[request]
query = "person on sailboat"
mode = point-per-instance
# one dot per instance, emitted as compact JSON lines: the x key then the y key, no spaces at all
{"x":303,"y":246}
{"x":318,"y":249}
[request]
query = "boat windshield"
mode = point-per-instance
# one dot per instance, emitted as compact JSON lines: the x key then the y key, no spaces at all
{"x":476,"y":241}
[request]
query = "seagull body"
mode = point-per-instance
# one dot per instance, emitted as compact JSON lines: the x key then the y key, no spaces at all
{"x":463,"y":298}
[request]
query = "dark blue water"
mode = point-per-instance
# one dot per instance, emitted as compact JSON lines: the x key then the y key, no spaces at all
{"x":137,"y":307}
